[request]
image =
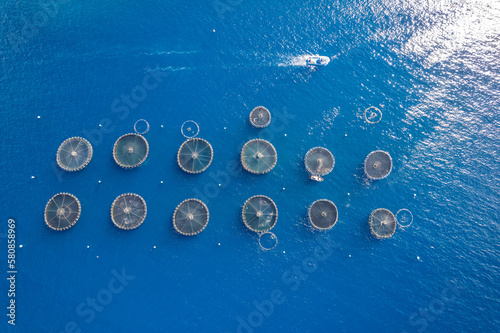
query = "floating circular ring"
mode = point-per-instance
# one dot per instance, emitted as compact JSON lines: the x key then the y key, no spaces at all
{"x":74,"y":154}
{"x":62,"y":211}
{"x":401,"y":220}
{"x":323,"y":214}
{"x":273,"y":237}
{"x":258,"y":156}
{"x":374,"y":117}
{"x":128,"y":211}
{"x":130,"y":150}
{"x":195,"y":155}
{"x":260,"y":117}
{"x":191,"y":217}
{"x":147,"y":127}
{"x":259,"y":213}
{"x":189,"y":131}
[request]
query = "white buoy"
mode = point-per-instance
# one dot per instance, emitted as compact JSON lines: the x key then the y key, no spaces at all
{"x":21,"y":245}
{"x":99,"y":181}
{"x":88,"y":246}
{"x":218,"y":244}
{"x":38,"y":117}
{"x":161,"y":182}
{"x":32,"y":177}
{"x":161,"y":126}
{"x":154,"y":247}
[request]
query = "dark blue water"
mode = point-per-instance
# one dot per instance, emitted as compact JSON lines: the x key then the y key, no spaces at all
{"x":432,"y":68}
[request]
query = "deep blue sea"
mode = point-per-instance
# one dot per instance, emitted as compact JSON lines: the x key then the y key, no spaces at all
{"x":431,"y":67}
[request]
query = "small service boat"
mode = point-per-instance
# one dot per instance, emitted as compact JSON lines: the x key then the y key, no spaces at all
{"x":317,"y":60}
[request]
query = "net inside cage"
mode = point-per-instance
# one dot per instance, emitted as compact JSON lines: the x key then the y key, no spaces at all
{"x":62,"y":211}
{"x":323,"y":214}
{"x":128,"y":211}
{"x":195,"y":155}
{"x":260,"y":213}
{"x":319,"y":161}
{"x":191,"y":217}
{"x":130,"y":150}
{"x":74,"y":154}
{"x":382,"y":223}
{"x":260,"y":117}
{"x":258,"y":156}
{"x":378,"y":164}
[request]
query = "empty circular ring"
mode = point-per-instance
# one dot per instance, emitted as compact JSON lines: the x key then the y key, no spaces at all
{"x":375,"y":115}
{"x":272,"y":237}
{"x":403,"y":216}
{"x":190,"y":129}
{"x":137,"y":122}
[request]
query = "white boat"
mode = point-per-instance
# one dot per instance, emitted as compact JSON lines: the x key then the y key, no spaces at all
{"x":317,"y":60}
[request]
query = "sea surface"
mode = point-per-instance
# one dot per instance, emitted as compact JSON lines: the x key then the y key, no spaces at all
{"x":81,"y":68}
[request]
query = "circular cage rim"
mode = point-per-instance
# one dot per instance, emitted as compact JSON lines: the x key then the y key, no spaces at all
{"x":319,"y":174}
{"x":371,"y":228}
{"x":77,"y":218}
{"x":194,"y":135}
{"x":143,"y":132}
{"x":206,"y":167}
{"x":177,"y":208}
{"x":141,"y":161}
{"x":397,"y":220}
{"x":245,"y":166}
{"x":336,"y":218}
{"x":273,"y":235}
{"x":366,"y":159}
{"x":376,"y":108}
{"x":87,"y":161}
{"x":260,"y":126}
{"x":134,"y":195}
{"x":243,"y":213}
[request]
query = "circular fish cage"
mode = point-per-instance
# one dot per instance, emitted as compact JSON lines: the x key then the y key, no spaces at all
{"x":260,"y":213}
{"x":195,"y":155}
{"x":378,"y":164}
{"x":260,"y":117}
{"x":130,"y":150}
{"x":74,"y":154}
{"x":128,"y":211}
{"x":191,"y":217}
{"x":319,"y":162}
{"x":382,"y":223}
{"x":323,"y":214}
{"x":62,"y":211}
{"x":258,"y":156}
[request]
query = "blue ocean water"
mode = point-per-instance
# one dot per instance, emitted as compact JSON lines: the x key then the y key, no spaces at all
{"x":431,"y":67}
